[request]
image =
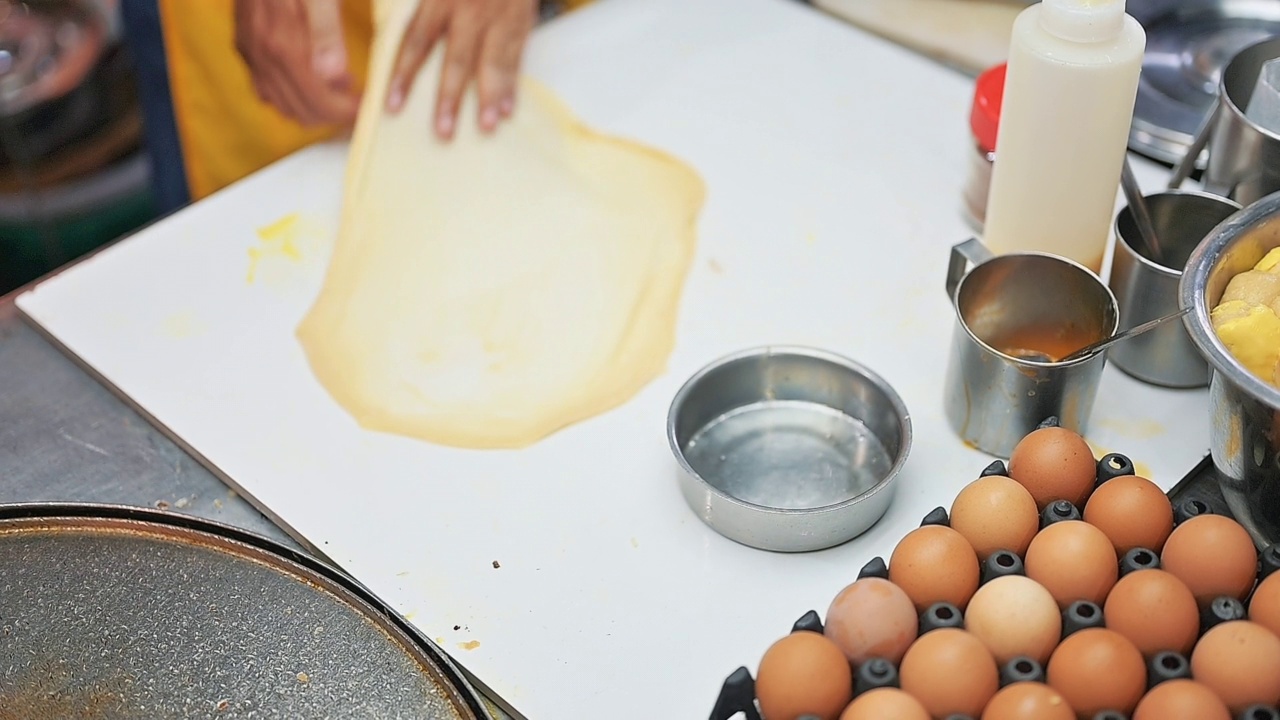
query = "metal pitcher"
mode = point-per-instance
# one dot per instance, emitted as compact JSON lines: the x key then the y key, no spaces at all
{"x":1016,"y":315}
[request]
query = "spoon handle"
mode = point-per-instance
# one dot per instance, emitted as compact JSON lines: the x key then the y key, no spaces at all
{"x":1141,"y":216}
{"x":1135,"y":330}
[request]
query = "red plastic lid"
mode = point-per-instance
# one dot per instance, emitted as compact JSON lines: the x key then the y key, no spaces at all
{"x":985,"y":117}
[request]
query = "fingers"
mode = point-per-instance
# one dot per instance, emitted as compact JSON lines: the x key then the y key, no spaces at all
{"x":275,"y":39}
{"x":497,"y":76}
{"x":283,"y":90}
{"x":293,"y":103}
{"x":461,"y":52}
{"x":420,"y":37}
{"x":328,"y":48}
{"x":336,"y":107}
{"x":484,"y":39}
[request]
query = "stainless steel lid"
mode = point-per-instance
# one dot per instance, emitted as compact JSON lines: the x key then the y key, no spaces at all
{"x":1188,"y":44}
{"x":119,"y":612}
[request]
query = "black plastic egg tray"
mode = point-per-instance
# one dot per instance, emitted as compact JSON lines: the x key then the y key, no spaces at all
{"x":1196,"y":494}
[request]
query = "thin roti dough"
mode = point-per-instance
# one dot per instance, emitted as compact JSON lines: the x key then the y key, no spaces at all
{"x":487,"y":292}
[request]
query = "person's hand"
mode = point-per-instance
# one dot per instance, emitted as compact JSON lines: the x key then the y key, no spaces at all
{"x":483,"y":39}
{"x":297,"y":58}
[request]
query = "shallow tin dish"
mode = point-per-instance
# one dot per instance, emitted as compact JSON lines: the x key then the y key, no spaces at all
{"x":787,"y":448}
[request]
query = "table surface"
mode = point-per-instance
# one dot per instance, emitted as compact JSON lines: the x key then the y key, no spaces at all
{"x":95,"y":448}
{"x":68,"y":438}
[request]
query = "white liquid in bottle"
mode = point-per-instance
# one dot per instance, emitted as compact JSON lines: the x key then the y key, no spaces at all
{"x":1064,"y":128}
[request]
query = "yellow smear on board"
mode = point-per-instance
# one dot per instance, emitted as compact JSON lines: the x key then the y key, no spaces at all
{"x":277,"y":240}
{"x":469,"y":645}
{"x":182,"y":325}
{"x":1136,"y":429}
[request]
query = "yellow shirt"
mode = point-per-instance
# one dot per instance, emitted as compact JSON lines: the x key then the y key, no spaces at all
{"x":226,"y":132}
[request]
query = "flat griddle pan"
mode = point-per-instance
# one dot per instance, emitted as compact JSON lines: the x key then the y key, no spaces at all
{"x":119,"y":612}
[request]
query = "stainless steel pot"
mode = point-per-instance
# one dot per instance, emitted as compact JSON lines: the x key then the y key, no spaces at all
{"x":1244,"y":157}
{"x":1245,"y":410}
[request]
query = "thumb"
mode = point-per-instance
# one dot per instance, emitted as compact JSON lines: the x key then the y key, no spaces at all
{"x":328,"y":48}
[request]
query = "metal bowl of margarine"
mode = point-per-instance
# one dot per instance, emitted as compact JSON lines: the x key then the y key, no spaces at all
{"x":1244,"y":409}
{"x":789,"y":449}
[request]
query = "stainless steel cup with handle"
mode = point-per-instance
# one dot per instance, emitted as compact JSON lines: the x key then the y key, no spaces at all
{"x":1146,"y":289}
{"x":1016,"y":315}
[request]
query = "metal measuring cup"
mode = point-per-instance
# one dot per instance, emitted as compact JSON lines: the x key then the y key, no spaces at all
{"x":1147,"y":289}
{"x":1017,"y":314}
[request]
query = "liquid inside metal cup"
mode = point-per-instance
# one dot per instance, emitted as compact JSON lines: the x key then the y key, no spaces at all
{"x":1146,"y":289}
{"x":1017,"y":315}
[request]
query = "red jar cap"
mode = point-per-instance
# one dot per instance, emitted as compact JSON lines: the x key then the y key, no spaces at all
{"x":984,"y":120}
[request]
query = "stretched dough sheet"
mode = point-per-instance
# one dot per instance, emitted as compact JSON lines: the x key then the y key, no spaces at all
{"x":487,"y":292}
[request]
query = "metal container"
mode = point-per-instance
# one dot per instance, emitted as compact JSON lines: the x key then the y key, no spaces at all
{"x":788,"y":449}
{"x":1244,"y":427}
{"x":1016,"y":316}
{"x":1146,"y":289}
{"x":1244,"y":158}
{"x":1188,"y":43}
{"x":119,"y":612}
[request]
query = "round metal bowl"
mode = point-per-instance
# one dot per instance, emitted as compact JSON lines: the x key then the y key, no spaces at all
{"x":1244,"y":421}
{"x":788,"y":449}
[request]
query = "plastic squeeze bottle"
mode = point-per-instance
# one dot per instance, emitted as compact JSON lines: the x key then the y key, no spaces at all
{"x":1068,"y":101}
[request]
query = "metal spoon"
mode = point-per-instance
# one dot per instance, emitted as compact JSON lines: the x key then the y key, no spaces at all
{"x":1141,"y":216}
{"x":1105,"y":343}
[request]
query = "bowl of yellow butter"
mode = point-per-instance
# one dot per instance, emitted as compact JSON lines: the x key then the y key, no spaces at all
{"x":1232,"y":286}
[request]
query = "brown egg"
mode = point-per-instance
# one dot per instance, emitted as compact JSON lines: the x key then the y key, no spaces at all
{"x":1098,"y":669}
{"x":1155,"y":610}
{"x":1073,"y":560}
{"x":1240,"y":661}
{"x":1132,"y":511}
{"x":884,"y":704}
{"x":1264,"y":606}
{"x":935,"y":564}
{"x":804,"y":673}
{"x":1028,"y":701}
{"x":1054,"y":464}
{"x":995,"y":513}
{"x":872,"y":618}
{"x":1181,"y":700}
{"x":1013,"y":616}
{"x":1213,"y":555}
{"x":950,"y":672}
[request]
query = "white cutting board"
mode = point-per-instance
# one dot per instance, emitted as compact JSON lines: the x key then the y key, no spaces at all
{"x":970,"y":35}
{"x":834,"y":162}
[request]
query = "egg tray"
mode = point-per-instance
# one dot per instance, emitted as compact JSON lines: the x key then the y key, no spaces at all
{"x":1197,"y":493}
